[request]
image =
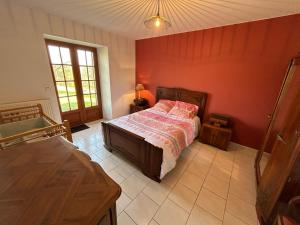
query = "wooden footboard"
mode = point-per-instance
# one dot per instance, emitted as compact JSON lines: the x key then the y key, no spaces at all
{"x":144,"y":155}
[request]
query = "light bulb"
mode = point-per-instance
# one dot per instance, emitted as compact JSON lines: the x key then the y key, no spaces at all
{"x":157,"y":23}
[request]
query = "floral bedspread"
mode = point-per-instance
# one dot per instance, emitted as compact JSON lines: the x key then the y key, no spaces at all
{"x":170,"y":133}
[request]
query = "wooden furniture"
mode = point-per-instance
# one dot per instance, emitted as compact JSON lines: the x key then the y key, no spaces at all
{"x":135,"y":108}
{"x":292,"y":214}
{"x":275,"y":122}
{"x":217,"y":131}
{"x":51,"y":182}
{"x":283,"y":220}
{"x":280,"y":180}
{"x":135,"y":148}
{"x":29,"y":123}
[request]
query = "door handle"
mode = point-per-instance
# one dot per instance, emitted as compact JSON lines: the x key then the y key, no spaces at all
{"x":280,"y":138}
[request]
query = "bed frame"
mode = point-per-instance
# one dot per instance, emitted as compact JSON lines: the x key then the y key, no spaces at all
{"x":29,"y":112}
{"x":143,"y":154}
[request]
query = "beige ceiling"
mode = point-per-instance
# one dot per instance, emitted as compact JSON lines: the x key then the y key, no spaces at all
{"x":126,"y":17}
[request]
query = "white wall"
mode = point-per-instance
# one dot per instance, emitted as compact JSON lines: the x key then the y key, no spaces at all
{"x":25,"y":71}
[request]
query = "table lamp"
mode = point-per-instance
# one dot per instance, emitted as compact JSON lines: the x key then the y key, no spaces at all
{"x":139,"y":88}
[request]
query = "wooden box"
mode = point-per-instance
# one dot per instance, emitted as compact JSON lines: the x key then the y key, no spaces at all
{"x":217,"y":131}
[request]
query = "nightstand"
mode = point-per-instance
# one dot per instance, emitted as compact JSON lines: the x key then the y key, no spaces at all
{"x":135,"y":108}
{"x":217,"y":131}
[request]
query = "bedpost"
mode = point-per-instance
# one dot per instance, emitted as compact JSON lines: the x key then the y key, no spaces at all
{"x":41,"y":113}
{"x":105,"y":133}
{"x":66,"y":124}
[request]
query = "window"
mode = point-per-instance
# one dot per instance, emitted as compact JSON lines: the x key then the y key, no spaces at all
{"x":64,"y":77}
{"x":76,"y":78}
{"x":88,"y":79}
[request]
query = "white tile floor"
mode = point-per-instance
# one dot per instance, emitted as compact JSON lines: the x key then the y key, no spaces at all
{"x":208,"y":186}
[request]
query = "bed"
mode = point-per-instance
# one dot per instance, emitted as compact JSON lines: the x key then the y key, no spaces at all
{"x":136,"y":148}
{"x":28,"y":124}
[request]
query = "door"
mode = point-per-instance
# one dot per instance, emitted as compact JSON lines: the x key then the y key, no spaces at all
{"x":284,"y":151}
{"x":76,"y":78}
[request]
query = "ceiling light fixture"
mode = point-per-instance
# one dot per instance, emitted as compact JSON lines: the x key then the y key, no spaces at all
{"x":157,"y":22}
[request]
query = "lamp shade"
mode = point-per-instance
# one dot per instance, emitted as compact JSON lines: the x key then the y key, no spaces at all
{"x":157,"y":22}
{"x":139,"y":87}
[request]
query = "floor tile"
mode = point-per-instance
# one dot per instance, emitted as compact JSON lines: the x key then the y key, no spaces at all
{"x":181,"y":166}
{"x":140,"y":175}
{"x":132,"y":186}
{"x":124,"y":219}
{"x":142,"y":198}
{"x":192,"y":181}
{"x":115,"y":176}
{"x":231,"y":220}
{"x":223,"y":163}
{"x":122,"y":202}
{"x":94,"y":148}
{"x":220,"y":173}
{"x":211,"y":203}
{"x":242,"y":192}
{"x":125,"y":170}
{"x":241,"y":210}
{"x":171,"y":178}
{"x":103,"y":154}
{"x":217,"y":186}
{"x":183,"y":197}
{"x":108,"y":164}
{"x":171,"y":214}
{"x":189,"y":153}
{"x":153,"y":222}
{"x":95,"y":158}
{"x":201,"y":217}
{"x":198,"y":167}
{"x":117,"y":159}
{"x":142,"y":209}
{"x":207,"y":153}
{"x":158,"y":192}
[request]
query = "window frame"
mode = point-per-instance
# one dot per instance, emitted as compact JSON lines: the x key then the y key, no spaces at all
{"x":76,"y":74}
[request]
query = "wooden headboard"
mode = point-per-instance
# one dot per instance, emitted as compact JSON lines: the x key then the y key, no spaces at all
{"x":180,"y":94}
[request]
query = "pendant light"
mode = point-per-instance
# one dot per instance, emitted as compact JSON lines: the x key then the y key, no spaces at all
{"x":157,"y":22}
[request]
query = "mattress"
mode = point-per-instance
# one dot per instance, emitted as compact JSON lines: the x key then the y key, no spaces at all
{"x":9,"y":129}
{"x":18,"y":127}
{"x":170,"y":133}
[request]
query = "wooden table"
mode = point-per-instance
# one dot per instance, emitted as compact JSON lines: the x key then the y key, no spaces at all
{"x":215,"y":136}
{"x":51,"y":183}
{"x":136,"y":108}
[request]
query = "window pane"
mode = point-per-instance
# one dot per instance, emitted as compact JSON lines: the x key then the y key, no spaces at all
{"x":68,"y":72}
{"x":85,"y":87}
{"x":81,"y":57}
{"x":61,"y":89}
{"x":73,"y":102}
{"x":89,"y":58}
{"x":65,"y":55}
{"x":71,"y":88}
{"x":83,"y":73}
{"x":94,"y":99}
{"x":91,"y":73}
{"x":58,"y":73}
{"x":87,"y":101}
{"x":93,"y":86}
{"x":64,"y":104}
{"x":54,"y":54}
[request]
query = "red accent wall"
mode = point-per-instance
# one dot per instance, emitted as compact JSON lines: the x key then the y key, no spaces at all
{"x":240,"y":66}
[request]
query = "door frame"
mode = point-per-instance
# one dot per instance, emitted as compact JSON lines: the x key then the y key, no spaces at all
{"x":77,"y":79}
